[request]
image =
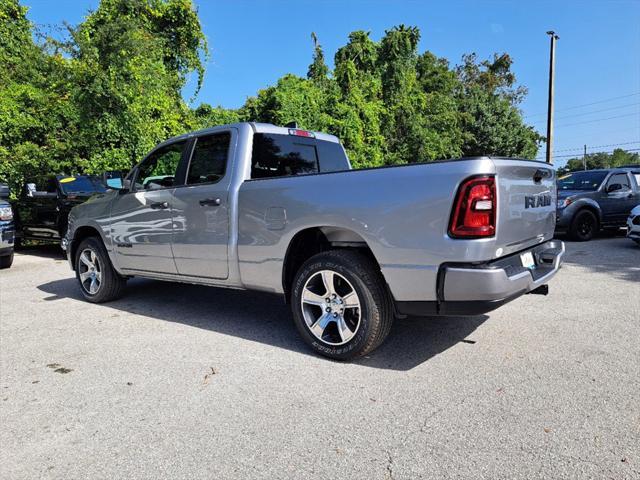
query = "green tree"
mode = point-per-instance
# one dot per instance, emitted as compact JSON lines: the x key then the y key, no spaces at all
{"x":488,"y":97}
{"x":617,"y":158}
{"x":38,"y":122}
{"x":100,"y":98}
{"x":206,"y":116}
{"x":131,"y":59}
{"x":318,"y":70}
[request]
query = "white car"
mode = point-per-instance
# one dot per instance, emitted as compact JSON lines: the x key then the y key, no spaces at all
{"x":633,"y":224}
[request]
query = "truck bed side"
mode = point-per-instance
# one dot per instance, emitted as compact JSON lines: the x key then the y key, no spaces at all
{"x":402,"y":214}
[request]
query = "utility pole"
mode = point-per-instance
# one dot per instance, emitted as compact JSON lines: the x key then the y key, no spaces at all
{"x":584,"y":158}
{"x":552,"y":54}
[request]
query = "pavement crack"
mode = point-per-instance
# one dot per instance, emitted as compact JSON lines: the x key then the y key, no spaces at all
{"x":389,"y":473}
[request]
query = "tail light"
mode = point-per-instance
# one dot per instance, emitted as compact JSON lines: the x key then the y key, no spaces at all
{"x":474,"y":210}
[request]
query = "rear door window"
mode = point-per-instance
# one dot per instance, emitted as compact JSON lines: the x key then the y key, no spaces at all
{"x":332,"y":156}
{"x":283,"y":155}
{"x":209,"y":159}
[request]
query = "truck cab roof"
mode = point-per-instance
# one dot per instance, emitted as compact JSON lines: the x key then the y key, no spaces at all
{"x":257,"y":127}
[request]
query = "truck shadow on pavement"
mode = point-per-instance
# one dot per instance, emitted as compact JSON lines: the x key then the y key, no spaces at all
{"x":44,"y":251}
{"x":263,"y":317}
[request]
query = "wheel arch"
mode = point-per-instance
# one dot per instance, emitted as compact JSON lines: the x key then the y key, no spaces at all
{"x":79,"y":234}
{"x":592,"y":207}
{"x":588,"y":204}
{"x":310,"y":241}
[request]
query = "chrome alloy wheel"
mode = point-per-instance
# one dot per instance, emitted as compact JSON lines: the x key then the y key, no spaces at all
{"x":90,"y":271}
{"x":331,"y":307}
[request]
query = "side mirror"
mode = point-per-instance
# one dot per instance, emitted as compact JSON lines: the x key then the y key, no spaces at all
{"x":614,"y":187}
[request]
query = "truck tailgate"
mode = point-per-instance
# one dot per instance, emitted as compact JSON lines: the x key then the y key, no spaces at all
{"x":526,"y":204}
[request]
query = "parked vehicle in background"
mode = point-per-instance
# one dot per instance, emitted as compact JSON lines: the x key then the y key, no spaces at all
{"x":44,"y":203}
{"x":633,"y":225}
{"x":261,"y":207}
{"x":7,"y":228}
{"x":591,"y":200}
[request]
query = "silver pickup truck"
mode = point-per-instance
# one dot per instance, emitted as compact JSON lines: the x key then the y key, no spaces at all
{"x":260,"y":207}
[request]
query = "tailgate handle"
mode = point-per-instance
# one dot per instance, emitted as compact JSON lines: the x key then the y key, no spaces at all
{"x":540,"y":174}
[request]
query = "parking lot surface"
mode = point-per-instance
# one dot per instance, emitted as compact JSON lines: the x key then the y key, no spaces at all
{"x":181,"y":381}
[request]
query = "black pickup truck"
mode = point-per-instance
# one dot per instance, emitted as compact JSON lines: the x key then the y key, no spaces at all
{"x":43,"y":206}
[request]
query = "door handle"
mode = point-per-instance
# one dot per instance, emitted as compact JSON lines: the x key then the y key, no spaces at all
{"x":159,"y":205}
{"x":210,"y":202}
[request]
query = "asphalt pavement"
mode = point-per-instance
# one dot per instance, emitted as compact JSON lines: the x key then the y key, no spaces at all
{"x":187,"y":382}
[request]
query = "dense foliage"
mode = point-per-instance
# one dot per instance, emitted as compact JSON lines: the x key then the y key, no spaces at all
{"x":617,"y":158}
{"x":111,"y":89}
{"x":390,"y":104}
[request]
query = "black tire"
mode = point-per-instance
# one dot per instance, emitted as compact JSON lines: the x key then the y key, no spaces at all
{"x":6,"y":261}
{"x":374,"y":314}
{"x":111,"y":285}
{"x":584,"y":226}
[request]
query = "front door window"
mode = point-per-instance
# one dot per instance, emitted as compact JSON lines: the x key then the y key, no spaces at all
{"x":159,"y":169}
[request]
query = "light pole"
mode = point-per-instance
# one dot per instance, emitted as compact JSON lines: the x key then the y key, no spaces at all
{"x":552,"y":54}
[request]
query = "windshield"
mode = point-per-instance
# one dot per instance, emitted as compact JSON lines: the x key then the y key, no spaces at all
{"x":581,"y":181}
{"x":82,"y":184}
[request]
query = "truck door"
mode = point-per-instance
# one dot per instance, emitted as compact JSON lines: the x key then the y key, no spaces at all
{"x":141,"y":225}
{"x":617,"y":199}
{"x":201,"y":208}
{"x":37,"y":208}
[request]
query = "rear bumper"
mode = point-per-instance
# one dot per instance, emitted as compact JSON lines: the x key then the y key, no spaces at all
{"x":473,"y":289}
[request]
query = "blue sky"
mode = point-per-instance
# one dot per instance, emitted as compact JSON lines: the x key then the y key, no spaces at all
{"x":253,"y":43}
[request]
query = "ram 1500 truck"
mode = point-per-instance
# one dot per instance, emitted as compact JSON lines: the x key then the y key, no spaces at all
{"x":260,"y":207}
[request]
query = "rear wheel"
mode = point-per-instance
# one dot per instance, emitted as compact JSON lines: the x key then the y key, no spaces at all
{"x":584,"y":226}
{"x":6,"y":261}
{"x":99,"y":282}
{"x":340,"y":304}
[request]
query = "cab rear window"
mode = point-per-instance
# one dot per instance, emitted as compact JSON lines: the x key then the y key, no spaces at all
{"x":289,"y":155}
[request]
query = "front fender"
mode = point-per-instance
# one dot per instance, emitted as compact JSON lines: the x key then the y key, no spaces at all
{"x":581,"y":203}
{"x":88,"y":219}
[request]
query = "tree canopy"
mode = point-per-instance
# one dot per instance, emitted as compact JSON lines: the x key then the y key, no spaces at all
{"x":617,"y":158}
{"x":102,"y":96}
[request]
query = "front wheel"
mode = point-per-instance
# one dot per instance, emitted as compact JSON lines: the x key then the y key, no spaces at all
{"x":99,"y":282}
{"x":584,"y":226}
{"x":340,"y":304}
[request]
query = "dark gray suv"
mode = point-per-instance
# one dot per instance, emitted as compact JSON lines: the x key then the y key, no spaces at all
{"x":594,"y":199}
